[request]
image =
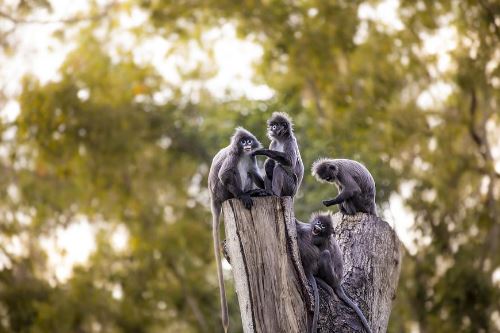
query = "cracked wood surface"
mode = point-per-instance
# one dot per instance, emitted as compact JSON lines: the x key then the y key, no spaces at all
{"x":372,"y":256}
{"x":272,"y":291}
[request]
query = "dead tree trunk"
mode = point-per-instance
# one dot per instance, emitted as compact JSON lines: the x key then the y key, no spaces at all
{"x":272,"y":290}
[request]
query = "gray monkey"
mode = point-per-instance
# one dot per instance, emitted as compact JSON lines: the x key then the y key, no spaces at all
{"x":353,"y":181}
{"x":232,"y":175}
{"x":322,"y":262}
{"x":284,"y":168}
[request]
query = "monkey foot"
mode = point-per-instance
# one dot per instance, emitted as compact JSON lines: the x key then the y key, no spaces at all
{"x":259,"y":193}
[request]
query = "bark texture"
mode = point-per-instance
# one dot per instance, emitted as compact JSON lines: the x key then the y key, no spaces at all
{"x":272,"y":290}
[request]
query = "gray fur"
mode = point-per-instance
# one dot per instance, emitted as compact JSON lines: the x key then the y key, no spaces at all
{"x":322,"y":262}
{"x":284,"y":167}
{"x":231,"y":175}
{"x":354,"y":182}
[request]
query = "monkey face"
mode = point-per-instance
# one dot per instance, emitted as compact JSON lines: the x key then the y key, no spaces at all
{"x":317,"y":228}
{"x":244,"y":142}
{"x":279,"y":126}
{"x":247,"y":145}
{"x":326,"y":171}
{"x":278,"y":130}
{"x":321,"y":225}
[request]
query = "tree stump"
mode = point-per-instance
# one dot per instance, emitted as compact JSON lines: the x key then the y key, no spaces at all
{"x":273,"y":293}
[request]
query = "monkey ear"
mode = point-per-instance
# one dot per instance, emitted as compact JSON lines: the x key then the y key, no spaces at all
{"x":332,"y":167}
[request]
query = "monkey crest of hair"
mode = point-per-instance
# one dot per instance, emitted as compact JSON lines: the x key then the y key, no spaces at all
{"x":354,"y":182}
{"x":241,"y":133}
{"x":281,"y":117}
{"x":323,"y":216}
{"x":319,"y":168}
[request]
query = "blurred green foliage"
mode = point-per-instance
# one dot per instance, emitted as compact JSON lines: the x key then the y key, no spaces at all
{"x":97,"y":143}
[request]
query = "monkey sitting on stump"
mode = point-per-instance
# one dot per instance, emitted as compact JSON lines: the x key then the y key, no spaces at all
{"x":353,"y":181}
{"x":232,"y":175}
{"x":284,"y":167}
{"x":322,"y":262}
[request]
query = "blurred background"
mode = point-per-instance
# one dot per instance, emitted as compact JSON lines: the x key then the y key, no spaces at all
{"x":111,"y":111}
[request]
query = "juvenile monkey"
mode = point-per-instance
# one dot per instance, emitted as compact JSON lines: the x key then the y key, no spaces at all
{"x":353,"y":181}
{"x":232,"y":175}
{"x":284,"y":167}
{"x":322,"y":259}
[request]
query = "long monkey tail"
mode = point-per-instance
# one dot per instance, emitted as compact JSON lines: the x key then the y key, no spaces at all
{"x":216,"y":210}
{"x":314,"y":325}
{"x":341,"y":294}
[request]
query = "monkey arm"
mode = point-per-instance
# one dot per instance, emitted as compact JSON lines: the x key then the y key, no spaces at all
{"x":350,"y":189}
{"x":278,"y":156}
{"x":343,"y":196}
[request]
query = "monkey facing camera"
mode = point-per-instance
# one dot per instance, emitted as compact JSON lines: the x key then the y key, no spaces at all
{"x":283,"y":167}
{"x":322,"y":262}
{"x":233,"y":174}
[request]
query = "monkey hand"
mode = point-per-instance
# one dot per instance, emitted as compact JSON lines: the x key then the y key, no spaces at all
{"x":328,"y":203}
{"x":259,"y":152}
{"x":246,"y":200}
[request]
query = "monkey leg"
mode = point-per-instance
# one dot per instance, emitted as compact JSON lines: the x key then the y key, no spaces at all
{"x":343,"y":196}
{"x":325,"y":286}
{"x":269,"y":168}
{"x":367,"y":205}
{"x":348,"y":207}
{"x":326,"y":270}
{"x":283,"y":183}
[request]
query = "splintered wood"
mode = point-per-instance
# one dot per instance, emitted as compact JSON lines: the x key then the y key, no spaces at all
{"x":269,"y":291}
{"x":273,"y":293}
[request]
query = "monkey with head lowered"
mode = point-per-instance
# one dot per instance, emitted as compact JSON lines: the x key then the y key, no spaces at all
{"x":232,"y":174}
{"x":322,"y":262}
{"x":284,"y":168}
{"x":353,"y":181}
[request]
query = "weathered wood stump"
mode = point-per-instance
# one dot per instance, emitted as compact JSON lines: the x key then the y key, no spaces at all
{"x":272,"y":290}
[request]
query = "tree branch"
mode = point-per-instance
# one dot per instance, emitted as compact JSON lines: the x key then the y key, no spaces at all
{"x":490,"y":13}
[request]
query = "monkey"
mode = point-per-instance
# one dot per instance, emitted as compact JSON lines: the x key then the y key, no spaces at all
{"x":321,"y":258}
{"x":233,"y":174}
{"x":284,"y":169}
{"x":353,"y":181}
